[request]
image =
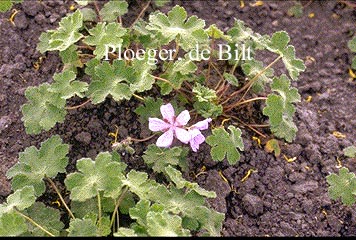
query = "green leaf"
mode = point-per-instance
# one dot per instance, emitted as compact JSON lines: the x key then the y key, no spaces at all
{"x":159,"y":158}
{"x":125,"y":232}
{"x":110,"y":79}
{"x":82,"y":228}
{"x":88,"y":14}
{"x":272,"y":145}
{"x":296,"y":10}
{"x":180,"y":182}
{"x":353,"y":64}
{"x":43,"y":110}
{"x":224,"y":144}
{"x":165,"y":224}
{"x":204,"y":94}
{"x":127,"y":203}
{"x":113,"y":9}
{"x":81,"y":209}
{"x":43,"y":44}
{"x":252,"y":68}
{"x":161,"y":3}
{"x":350,"y":151}
{"x":149,"y":108}
{"x":103,"y":35}
{"x":65,"y":85}
{"x":82,"y":2}
{"x":71,"y":59}
{"x":21,"y":199}
{"x":5,"y":5}
{"x":139,"y":183}
{"x":293,"y":65}
{"x":141,"y":79}
{"x":66,"y":34}
{"x":177,"y":74}
{"x":49,"y":219}
{"x":208,"y":109}
{"x":343,"y":186}
{"x":214,"y":32}
{"x":103,"y":174}
{"x":280,"y":108}
{"x":352,"y":44}
{"x":231,"y":79}
{"x":139,"y":212}
{"x":12,"y":224}
{"x":175,"y":24}
{"x":35,"y":164}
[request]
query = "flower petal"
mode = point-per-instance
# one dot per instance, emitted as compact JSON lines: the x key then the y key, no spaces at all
{"x":182,"y":135}
{"x":196,"y":139}
{"x":167,"y":112}
{"x":183,"y":118}
{"x":202,"y":125}
{"x":156,"y":124}
{"x":166,"y":139}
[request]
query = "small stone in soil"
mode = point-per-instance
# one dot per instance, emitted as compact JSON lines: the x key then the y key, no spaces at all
{"x":83,"y":137}
{"x":252,"y":204}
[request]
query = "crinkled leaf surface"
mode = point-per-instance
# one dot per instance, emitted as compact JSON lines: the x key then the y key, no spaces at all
{"x":43,"y":109}
{"x":105,"y":34}
{"x":103,"y":174}
{"x":113,"y":9}
{"x":65,"y":35}
{"x":21,"y":199}
{"x":175,"y":24}
{"x":350,"y":151}
{"x":49,"y":218}
{"x":165,"y":224}
{"x":66,"y":87}
{"x":12,"y":224}
{"x":71,"y":59}
{"x":150,"y":108}
{"x":82,"y":228}
{"x":224,"y":144}
{"x":158,"y":158}
{"x":35,"y":164}
{"x":110,"y":79}
{"x":342,"y":186}
{"x":280,"y":108}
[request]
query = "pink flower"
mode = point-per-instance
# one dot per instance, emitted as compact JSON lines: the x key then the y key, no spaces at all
{"x":196,"y":138}
{"x":171,"y":125}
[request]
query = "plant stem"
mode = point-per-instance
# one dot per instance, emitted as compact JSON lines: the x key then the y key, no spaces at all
{"x":141,"y":13}
{"x":60,"y":196}
{"x":97,"y":11}
{"x":228,"y":108}
{"x":78,"y":106}
{"x":138,"y":97}
{"x":99,"y":211}
{"x":34,"y":223}
{"x":250,"y":83}
{"x":142,"y":140}
{"x":117,"y":205}
{"x":245,"y":124}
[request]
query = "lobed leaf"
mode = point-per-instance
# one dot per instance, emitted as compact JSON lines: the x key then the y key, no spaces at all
{"x":113,"y":9}
{"x":280,"y":108}
{"x":66,"y":87}
{"x":103,"y":35}
{"x":20,"y":199}
{"x":159,"y":158}
{"x":64,"y":36}
{"x":150,"y":108}
{"x":175,"y":24}
{"x":350,"y":151}
{"x":12,"y":224}
{"x":224,"y":144}
{"x":71,"y":59}
{"x":36,"y":164}
{"x":165,"y":224}
{"x":43,"y":110}
{"x":342,"y":186}
{"x":103,"y":174}
{"x":49,"y":218}
{"x":110,"y":79}
{"x":82,"y":228}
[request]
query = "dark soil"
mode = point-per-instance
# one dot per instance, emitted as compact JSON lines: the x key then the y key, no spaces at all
{"x":281,"y":198}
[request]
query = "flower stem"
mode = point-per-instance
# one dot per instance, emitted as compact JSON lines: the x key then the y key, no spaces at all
{"x":117,"y":206}
{"x":60,"y":196}
{"x":99,"y":211}
{"x":34,"y":223}
{"x":78,"y":106}
{"x":228,"y":108}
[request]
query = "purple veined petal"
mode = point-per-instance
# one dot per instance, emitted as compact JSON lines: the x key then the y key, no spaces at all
{"x":182,"y":135}
{"x":156,"y":124}
{"x":196,"y":139}
{"x":167,"y":112}
{"x":202,"y":125}
{"x":166,"y":139}
{"x":183,"y":118}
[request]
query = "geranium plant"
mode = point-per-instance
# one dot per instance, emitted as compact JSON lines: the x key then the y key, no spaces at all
{"x":201,"y":72}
